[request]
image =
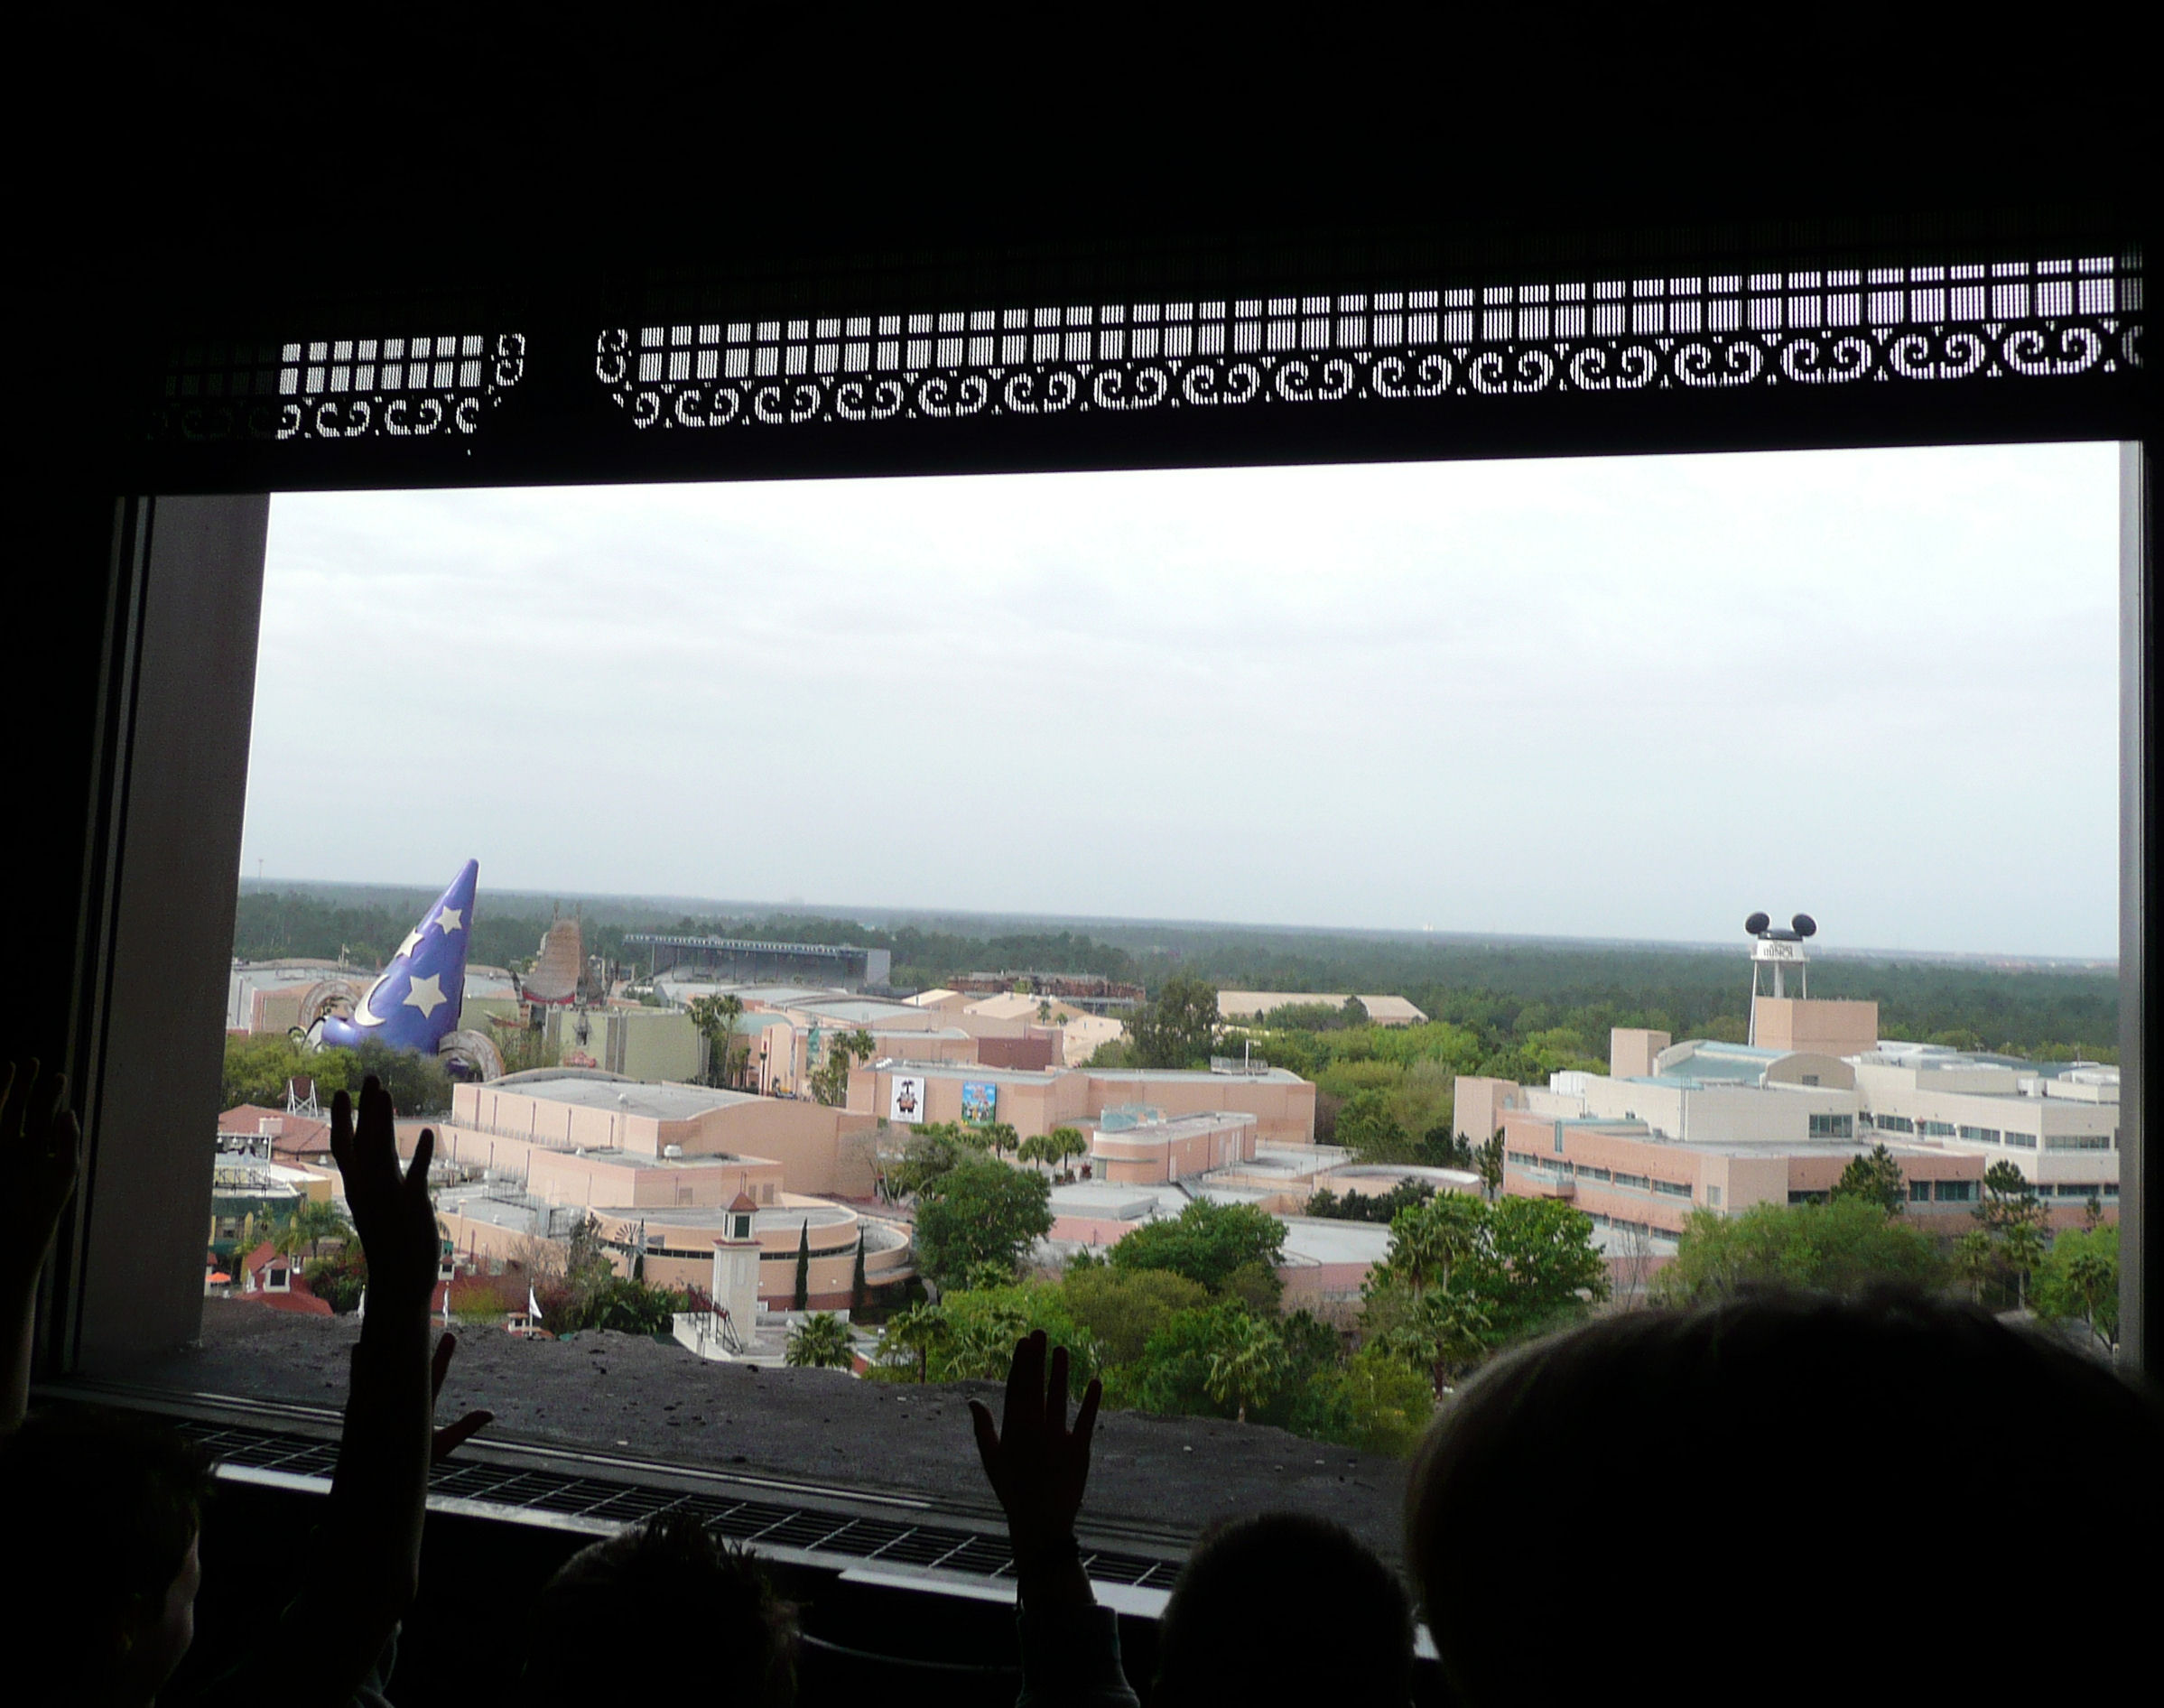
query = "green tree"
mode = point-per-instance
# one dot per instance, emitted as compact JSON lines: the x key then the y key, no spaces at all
{"x":1175,"y":1374}
{"x":310,"y":1223}
{"x":2080,"y":1277}
{"x":979,"y":1210}
{"x":416,"y":1084}
{"x":2024,"y":1249}
{"x":929,"y":1152}
{"x":1068,"y":1143}
{"x":1121,"y":1309}
{"x":986,"y":1274}
{"x":1489,"y":1165}
{"x":1245,"y":1362}
{"x":830,"y":1079}
{"x":802,"y":1296}
{"x":1875,"y":1177}
{"x":717,"y":1017}
{"x":1842,"y":1247}
{"x":1367,"y":1125}
{"x":858,"y":1292}
{"x":2008,"y":1201}
{"x":629,"y":1307}
{"x":1373,"y":1402}
{"x":820,"y":1343}
{"x":1975,"y":1259}
{"x":1206,"y":1242}
{"x":1038,"y":1148}
{"x":915,"y":1332}
{"x":339,"y":1279}
{"x":1000,"y":1138}
{"x":1176,"y":1027}
{"x":1463,"y":1276}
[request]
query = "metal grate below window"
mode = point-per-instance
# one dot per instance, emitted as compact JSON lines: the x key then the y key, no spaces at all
{"x":832,"y":1537}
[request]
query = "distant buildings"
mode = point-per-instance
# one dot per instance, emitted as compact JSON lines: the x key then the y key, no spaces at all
{"x":1260,"y":1004}
{"x":656,"y":1165}
{"x":909,"y":1091}
{"x":1673,"y":1128}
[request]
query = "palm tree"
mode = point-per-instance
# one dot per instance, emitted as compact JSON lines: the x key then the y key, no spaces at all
{"x":1489,"y":1164}
{"x":2024,"y":1250}
{"x":1001,"y":1136}
{"x":1974,"y":1258}
{"x":1068,"y":1141}
{"x":1039,"y":1148}
{"x":311,"y":1223}
{"x":1245,"y":1363}
{"x":821,"y":1342}
{"x":917,"y":1330}
{"x":716,"y":1018}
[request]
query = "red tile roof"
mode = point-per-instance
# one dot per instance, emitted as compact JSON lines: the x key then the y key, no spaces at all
{"x":294,"y":1134}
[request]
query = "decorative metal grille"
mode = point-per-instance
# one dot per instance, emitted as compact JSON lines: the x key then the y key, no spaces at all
{"x":2029,"y":319}
{"x":415,"y":388}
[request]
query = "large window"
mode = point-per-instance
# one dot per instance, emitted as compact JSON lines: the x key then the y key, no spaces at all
{"x":877,"y":849}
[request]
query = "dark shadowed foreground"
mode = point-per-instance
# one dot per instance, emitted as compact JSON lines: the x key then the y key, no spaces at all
{"x":629,"y":1395}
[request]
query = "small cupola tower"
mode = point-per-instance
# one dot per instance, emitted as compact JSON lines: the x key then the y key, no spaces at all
{"x":735,"y":1281}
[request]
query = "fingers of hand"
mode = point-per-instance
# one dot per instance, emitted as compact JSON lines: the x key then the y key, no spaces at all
{"x":987,"y":1440}
{"x":342,"y":1134}
{"x":416,"y":1173}
{"x":438,"y":1365}
{"x":1025,"y":1384}
{"x":452,"y":1437}
{"x":1085,"y":1424}
{"x":1055,"y":1396}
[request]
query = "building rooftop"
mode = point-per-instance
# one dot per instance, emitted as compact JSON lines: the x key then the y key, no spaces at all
{"x":968,"y":1071}
{"x":661,"y":1101}
{"x":1270,"y":1076}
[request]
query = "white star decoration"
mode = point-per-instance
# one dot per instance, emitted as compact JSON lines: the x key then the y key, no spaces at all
{"x":412,"y":941}
{"x":426,"y":995}
{"x":449,"y":920}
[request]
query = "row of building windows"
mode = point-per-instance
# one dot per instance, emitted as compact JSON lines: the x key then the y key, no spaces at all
{"x":1583,"y":1171}
{"x":1942,"y":1192}
{"x":2078,"y":1141}
{"x":2081,"y":1189}
{"x":1833,"y":1127}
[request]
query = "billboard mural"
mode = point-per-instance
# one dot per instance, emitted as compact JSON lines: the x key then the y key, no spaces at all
{"x":908,"y":1099}
{"x":979,"y":1099}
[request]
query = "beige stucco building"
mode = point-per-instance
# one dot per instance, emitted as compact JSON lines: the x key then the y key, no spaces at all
{"x":1282,"y":1103}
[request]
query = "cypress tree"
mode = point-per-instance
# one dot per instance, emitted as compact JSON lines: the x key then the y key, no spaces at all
{"x":804,"y":1267}
{"x":856,"y":1288}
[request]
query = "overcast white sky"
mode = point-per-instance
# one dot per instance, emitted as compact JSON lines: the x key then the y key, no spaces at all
{"x":1622,"y":697}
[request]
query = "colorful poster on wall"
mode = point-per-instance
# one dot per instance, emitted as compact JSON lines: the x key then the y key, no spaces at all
{"x":979,"y":1100}
{"x":908,"y":1099}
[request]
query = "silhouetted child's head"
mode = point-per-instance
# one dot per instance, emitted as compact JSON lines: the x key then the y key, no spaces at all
{"x":1788,"y":1497}
{"x":1285,"y":1608}
{"x":102,"y":1513}
{"x":664,"y":1602}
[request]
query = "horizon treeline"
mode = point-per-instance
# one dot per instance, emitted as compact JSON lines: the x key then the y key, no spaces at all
{"x":1502,"y":990}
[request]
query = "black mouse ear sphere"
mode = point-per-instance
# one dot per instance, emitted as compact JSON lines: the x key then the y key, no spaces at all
{"x":1756,"y":923}
{"x":1805,"y":926}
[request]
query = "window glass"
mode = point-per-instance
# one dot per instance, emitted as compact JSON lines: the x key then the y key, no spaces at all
{"x":1145,"y":905}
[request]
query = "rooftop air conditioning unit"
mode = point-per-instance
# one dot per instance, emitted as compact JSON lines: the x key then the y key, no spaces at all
{"x":671,"y":1150}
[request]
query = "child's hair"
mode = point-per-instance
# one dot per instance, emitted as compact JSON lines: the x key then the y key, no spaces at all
{"x":682,"y":1611}
{"x":1286,"y":1607}
{"x":100,"y":1509}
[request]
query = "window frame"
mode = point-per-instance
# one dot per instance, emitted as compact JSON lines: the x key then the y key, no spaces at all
{"x":181,"y":587}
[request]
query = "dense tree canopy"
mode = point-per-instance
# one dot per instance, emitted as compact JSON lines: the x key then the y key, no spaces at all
{"x":1177,"y":1028}
{"x":980,"y":1212}
{"x":1842,"y":1247}
{"x":1208,"y":1243}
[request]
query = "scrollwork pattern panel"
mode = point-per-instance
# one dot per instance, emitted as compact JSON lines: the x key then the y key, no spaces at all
{"x":436,"y":385}
{"x":2013,"y":320}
